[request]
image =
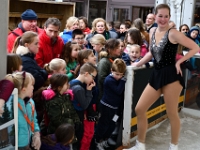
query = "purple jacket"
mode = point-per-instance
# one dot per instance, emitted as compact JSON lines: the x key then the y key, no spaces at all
{"x":49,"y":143}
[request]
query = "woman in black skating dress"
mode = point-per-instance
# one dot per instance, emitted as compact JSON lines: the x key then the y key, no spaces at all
{"x":166,"y":77}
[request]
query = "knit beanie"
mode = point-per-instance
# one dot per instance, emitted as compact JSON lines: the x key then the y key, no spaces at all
{"x":29,"y":14}
{"x":196,"y":28}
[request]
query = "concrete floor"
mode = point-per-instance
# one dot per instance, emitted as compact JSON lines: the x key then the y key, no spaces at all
{"x":193,"y":106}
{"x":158,"y":138}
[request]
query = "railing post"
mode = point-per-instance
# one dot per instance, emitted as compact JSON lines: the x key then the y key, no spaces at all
{"x":127,"y":107}
{"x":4,"y":7}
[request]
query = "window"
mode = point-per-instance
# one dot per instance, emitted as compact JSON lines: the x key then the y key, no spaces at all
{"x":97,"y":10}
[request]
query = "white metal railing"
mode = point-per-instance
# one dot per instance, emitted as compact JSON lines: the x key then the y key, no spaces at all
{"x":128,"y":94}
{"x":14,"y":121}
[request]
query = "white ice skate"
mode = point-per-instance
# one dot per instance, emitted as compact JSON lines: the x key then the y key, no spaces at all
{"x":173,"y":147}
{"x":138,"y":146}
{"x":102,"y":145}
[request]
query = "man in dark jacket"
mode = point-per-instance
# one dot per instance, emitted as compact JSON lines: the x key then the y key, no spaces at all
{"x":150,"y":22}
{"x":28,"y":23}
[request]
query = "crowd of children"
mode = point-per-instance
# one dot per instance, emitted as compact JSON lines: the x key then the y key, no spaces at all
{"x":78,"y":93}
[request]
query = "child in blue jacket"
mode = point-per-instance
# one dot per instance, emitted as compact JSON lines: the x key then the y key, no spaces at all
{"x":28,"y":128}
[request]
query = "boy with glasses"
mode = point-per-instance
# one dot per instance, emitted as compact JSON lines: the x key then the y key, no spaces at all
{"x":79,"y":37}
{"x":82,"y":90}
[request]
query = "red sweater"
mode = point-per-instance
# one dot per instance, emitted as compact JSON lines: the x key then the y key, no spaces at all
{"x":48,"y":50}
{"x":87,"y":30}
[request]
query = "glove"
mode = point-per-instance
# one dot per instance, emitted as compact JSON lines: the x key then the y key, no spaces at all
{"x":36,"y":142}
{"x":2,"y":102}
{"x":91,"y":114}
{"x":6,"y":88}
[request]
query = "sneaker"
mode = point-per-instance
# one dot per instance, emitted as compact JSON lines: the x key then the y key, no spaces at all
{"x":102,"y":145}
{"x":138,"y":146}
{"x":173,"y":147}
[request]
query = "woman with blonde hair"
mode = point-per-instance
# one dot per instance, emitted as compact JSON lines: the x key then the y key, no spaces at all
{"x":99,"y":27}
{"x":98,"y":43}
{"x":72,"y":23}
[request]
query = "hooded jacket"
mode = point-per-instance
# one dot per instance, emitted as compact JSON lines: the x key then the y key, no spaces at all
{"x":103,"y":68}
{"x":66,"y":36}
{"x":24,"y":129}
{"x":59,"y":110}
{"x":30,"y":65}
{"x":196,"y":28}
{"x":17,"y":32}
{"x":48,"y":49}
{"x":49,"y":143}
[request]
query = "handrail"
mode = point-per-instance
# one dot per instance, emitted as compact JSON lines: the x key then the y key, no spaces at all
{"x":150,"y":64}
{"x":14,"y":121}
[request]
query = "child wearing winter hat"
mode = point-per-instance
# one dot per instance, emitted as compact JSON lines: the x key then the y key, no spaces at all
{"x":193,"y":34}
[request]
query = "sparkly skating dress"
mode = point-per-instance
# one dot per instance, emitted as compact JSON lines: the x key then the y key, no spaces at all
{"x":164,"y":62}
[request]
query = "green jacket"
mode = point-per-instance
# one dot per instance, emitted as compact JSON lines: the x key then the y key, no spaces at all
{"x":59,"y":110}
{"x":71,"y":66}
{"x":103,"y":68}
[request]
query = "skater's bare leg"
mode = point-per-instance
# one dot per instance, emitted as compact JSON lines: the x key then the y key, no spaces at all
{"x":171,"y":96}
{"x":148,"y":97}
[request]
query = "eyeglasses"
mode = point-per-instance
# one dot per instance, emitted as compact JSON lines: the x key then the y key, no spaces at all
{"x":79,"y":39}
{"x":73,"y":42}
{"x":24,"y":76}
{"x":92,"y":76}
